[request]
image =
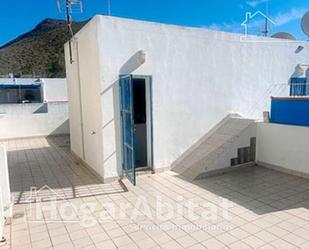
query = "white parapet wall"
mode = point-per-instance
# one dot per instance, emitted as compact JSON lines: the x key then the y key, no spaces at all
{"x":283,"y":147}
{"x":54,"y":89}
{"x":2,"y":219}
{"x":29,"y":120}
{"x":5,"y":193}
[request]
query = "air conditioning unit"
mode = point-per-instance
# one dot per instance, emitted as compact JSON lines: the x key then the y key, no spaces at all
{"x":5,"y":192}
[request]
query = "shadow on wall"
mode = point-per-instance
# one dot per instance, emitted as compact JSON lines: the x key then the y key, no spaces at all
{"x":42,"y":109}
{"x":198,"y":151}
{"x":113,"y":123}
{"x":63,"y":129}
{"x":299,"y":72}
{"x":133,"y":63}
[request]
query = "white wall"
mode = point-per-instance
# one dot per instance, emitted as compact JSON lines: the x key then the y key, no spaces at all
{"x":4,"y":180}
{"x":2,"y":220}
{"x":83,"y":77}
{"x":5,"y":193}
{"x":54,"y":90}
{"x":284,"y":146}
{"x":31,"y":108}
{"x":199,"y":76}
{"x":75,"y":117}
{"x":27,"y":120}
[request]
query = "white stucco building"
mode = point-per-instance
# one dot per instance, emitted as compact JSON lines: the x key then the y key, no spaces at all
{"x":33,"y":107}
{"x":187,"y":81}
{"x":14,"y":90}
{"x":54,"y":89}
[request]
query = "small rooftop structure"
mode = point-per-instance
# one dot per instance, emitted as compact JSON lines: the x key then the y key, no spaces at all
{"x":141,"y":94}
{"x":35,"y":90}
{"x":20,"y":91}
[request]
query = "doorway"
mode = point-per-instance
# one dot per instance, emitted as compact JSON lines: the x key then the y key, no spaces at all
{"x":136,"y":124}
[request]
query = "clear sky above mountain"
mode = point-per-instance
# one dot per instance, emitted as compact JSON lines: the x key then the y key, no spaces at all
{"x":21,"y":16}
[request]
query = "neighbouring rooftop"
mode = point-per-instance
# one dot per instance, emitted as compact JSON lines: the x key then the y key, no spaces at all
{"x":269,"y":209}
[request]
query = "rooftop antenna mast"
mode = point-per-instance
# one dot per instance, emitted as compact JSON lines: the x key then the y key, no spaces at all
{"x":266,"y":31}
{"x":69,"y":7}
{"x":109,"y":7}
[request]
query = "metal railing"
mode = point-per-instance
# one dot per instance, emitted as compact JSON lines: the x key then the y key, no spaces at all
{"x":286,"y":90}
{"x":299,"y":89}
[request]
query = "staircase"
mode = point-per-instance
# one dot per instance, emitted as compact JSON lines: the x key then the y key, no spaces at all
{"x":201,"y":156}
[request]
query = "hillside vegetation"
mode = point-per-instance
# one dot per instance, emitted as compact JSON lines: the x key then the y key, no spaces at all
{"x":39,"y":52}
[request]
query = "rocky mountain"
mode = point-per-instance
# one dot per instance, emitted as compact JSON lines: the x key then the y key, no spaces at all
{"x":39,"y":52}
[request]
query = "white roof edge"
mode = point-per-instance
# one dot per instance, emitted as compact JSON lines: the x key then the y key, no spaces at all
{"x":222,"y":34}
{"x":236,"y":36}
{"x":84,"y":29}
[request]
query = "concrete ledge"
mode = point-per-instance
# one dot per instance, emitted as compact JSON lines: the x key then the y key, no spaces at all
{"x":283,"y":170}
{"x":224,"y":170}
{"x":117,"y":178}
{"x":37,"y":136}
{"x":112,"y":179}
{"x":161,"y":170}
{"x":145,"y":171}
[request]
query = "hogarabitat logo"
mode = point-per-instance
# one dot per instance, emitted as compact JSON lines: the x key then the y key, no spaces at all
{"x":251,"y":18}
{"x":47,"y":205}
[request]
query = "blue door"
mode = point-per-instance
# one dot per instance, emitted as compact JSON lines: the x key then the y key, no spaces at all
{"x":128,"y":130}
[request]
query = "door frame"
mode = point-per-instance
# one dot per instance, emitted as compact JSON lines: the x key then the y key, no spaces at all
{"x":149,"y":122}
{"x":149,"y":119}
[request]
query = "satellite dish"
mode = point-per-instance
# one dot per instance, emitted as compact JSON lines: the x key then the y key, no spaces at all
{"x":305,"y":23}
{"x":283,"y":35}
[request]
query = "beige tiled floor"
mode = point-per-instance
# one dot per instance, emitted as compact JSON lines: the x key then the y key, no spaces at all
{"x":269,"y":209}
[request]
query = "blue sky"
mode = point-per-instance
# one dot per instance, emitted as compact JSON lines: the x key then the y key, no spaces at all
{"x":21,"y":16}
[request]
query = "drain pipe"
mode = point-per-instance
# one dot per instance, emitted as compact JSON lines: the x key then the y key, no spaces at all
{"x":80,"y":101}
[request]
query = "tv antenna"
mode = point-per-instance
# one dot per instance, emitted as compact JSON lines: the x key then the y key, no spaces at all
{"x":109,"y":7}
{"x":69,"y":7}
{"x":266,"y":30}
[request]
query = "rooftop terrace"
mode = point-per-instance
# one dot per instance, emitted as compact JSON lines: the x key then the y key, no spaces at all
{"x":267,"y":209}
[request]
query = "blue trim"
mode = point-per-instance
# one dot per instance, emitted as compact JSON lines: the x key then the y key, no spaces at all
{"x":151,"y":123}
{"x":290,"y":111}
{"x":19,"y":86}
{"x":127,"y":123}
{"x":138,"y":76}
